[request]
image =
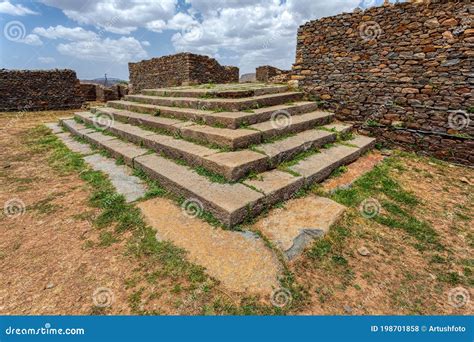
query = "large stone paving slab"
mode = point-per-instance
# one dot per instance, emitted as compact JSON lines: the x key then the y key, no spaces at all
{"x":240,"y":261}
{"x":293,"y":227}
{"x":121,"y":176}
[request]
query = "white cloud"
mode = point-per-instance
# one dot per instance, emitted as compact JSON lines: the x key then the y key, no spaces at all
{"x":61,"y":32}
{"x":145,"y":43}
{"x":31,"y":39}
{"x":8,"y":8}
{"x":117,"y":16}
{"x":156,"y":26}
{"x":258,"y":31}
{"x":123,"y":50}
{"x":46,"y":60}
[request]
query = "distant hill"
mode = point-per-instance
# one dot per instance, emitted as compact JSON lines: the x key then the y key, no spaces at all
{"x":110,"y":81}
{"x":251,"y":77}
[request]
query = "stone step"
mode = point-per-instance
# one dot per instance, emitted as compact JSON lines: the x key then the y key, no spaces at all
{"x":232,"y":165}
{"x":230,"y":203}
{"x":282,"y":123}
{"x":286,"y":149}
{"x":219,"y":104}
{"x":231,"y":120}
{"x":230,"y":92}
{"x":222,"y":137}
{"x":116,"y":147}
{"x":319,"y":166}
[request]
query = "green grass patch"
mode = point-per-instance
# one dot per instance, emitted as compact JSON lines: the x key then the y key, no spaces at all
{"x":398,"y":204}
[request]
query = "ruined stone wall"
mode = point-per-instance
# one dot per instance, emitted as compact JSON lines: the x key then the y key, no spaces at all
{"x":179,"y":69}
{"x":88,"y":91}
{"x":403,"y":72}
{"x":97,"y":92}
{"x":39,"y":90}
{"x":269,"y":74}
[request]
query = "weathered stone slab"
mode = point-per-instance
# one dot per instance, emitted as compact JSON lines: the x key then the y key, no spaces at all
{"x":74,"y":145}
{"x":121,"y":176}
{"x":276,"y":185}
{"x":239,"y":260}
{"x":97,"y":138}
{"x":54,"y":127}
{"x":319,"y":166}
{"x":219,"y":104}
{"x":219,"y":92}
{"x":120,"y":149}
{"x":76,"y":128}
{"x":231,"y":119}
{"x":179,"y":149}
{"x":292,"y":124}
{"x":232,"y":138}
{"x":237,"y":164}
{"x":286,"y":149}
{"x":301,"y":220}
{"x":156,"y":122}
{"x":231,"y":204}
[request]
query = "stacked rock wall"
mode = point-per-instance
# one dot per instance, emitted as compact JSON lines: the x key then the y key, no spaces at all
{"x":31,"y":90}
{"x":269,"y":74}
{"x":403,"y":72}
{"x":179,"y":69}
{"x":98,"y":92}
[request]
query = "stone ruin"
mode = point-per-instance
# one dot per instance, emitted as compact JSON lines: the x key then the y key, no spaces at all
{"x":270,"y":74}
{"x":180,"y":69}
{"x":403,"y":72}
{"x":100,"y":93}
{"x":32,"y":90}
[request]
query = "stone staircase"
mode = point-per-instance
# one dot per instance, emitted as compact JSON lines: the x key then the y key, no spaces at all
{"x":232,"y":150}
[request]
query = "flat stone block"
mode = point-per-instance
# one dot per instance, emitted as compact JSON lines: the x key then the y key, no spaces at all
{"x":121,"y":149}
{"x":291,"y":228}
{"x":230,"y":203}
{"x":232,"y":138}
{"x":235,"y":165}
{"x":121,"y":176}
{"x":276,"y":185}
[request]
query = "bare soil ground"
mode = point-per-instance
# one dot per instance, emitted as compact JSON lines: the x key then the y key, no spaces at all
{"x":57,"y":257}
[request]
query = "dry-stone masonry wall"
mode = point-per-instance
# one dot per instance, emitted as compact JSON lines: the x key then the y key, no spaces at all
{"x":179,"y":69}
{"x":88,"y":91}
{"x":404,"y":72}
{"x":267,"y":73}
{"x":97,"y":92}
{"x":30,"y":90}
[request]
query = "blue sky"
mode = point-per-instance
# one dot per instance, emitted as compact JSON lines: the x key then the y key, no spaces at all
{"x":94,"y":37}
